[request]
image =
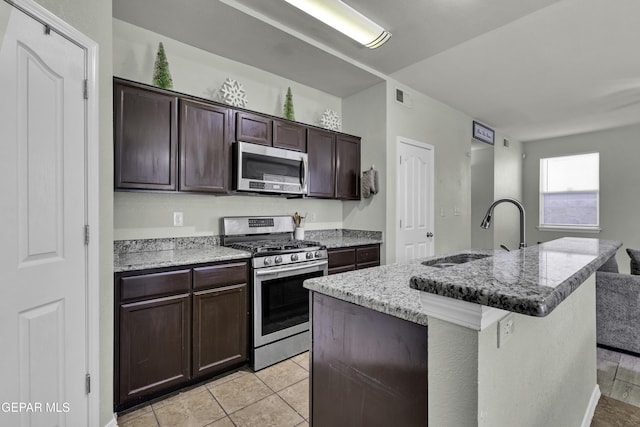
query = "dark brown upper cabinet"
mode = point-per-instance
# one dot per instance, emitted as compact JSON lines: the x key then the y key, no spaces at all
{"x":205,"y":162}
{"x":334,"y":165}
{"x":322,"y":163}
{"x":145,"y":138}
{"x":253,"y":128}
{"x":290,"y":136}
{"x":347,"y":167}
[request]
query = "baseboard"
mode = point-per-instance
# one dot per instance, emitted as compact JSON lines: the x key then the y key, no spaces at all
{"x":114,"y":422}
{"x":591,"y":408}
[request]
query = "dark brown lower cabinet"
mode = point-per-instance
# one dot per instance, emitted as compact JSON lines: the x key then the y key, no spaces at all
{"x":219,"y":329}
{"x":353,"y":258}
{"x":176,"y":327}
{"x":367,"y":368}
{"x":155,"y":345}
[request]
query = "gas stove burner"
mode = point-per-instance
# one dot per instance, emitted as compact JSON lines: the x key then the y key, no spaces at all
{"x":261,"y":247}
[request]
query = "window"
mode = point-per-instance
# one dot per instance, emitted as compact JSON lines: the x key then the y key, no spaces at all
{"x":569,"y":192}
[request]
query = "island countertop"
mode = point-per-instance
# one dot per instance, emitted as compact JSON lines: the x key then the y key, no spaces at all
{"x":531,"y":281}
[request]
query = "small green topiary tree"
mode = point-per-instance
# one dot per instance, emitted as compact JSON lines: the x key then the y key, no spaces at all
{"x":161,"y":74}
{"x":288,"y":106}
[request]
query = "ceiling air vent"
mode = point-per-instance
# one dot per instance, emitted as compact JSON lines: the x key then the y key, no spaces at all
{"x":403,"y":98}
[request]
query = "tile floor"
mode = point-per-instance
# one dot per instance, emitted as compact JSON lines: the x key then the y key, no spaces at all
{"x":619,"y":376}
{"x":277,"y":396}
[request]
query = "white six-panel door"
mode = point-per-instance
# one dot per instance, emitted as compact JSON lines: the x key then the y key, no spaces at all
{"x":43,"y":255}
{"x":415,"y":237}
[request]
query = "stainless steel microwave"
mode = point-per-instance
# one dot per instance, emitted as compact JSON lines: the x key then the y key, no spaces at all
{"x":264,"y":169}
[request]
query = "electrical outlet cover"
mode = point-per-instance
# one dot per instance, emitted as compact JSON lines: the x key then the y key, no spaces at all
{"x":506,"y":329}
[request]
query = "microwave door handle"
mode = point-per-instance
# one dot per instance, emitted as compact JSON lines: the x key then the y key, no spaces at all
{"x":303,"y":176}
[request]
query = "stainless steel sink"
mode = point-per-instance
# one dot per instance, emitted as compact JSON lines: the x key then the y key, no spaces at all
{"x":450,"y":261}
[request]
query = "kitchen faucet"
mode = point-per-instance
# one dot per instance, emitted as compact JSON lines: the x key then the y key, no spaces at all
{"x":486,"y":221}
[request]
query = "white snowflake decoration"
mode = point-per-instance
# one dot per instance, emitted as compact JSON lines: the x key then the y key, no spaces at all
{"x":232,"y":93}
{"x":330,"y":120}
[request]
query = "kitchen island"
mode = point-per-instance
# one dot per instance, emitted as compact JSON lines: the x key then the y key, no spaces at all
{"x":511,"y":338}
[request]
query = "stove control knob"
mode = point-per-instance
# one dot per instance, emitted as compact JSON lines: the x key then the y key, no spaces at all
{"x":278,"y":259}
{"x":317,"y":254}
{"x":309,"y":255}
{"x":294,"y":257}
{"x":267,"y":261}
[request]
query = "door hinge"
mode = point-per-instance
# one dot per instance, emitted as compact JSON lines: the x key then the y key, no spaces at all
{"x":400,"y":223}
{"x":87,"y":383}
{"x":86,"y":234}
{"x":86,"y":89}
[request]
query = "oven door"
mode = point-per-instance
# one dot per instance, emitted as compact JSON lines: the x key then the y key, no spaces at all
{"x":264,"y":169}
{"x":281,"y":303}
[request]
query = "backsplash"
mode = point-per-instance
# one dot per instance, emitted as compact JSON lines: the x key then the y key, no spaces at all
{"x":174,"y":243}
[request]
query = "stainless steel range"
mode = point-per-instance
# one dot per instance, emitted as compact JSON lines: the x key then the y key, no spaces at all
{"x":280,"y":265}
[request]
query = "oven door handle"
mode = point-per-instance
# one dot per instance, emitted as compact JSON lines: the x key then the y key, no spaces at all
{"x":301,"y":266}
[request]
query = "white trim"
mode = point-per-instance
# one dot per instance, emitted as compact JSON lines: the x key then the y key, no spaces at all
{"x":463,"y":313}
{"x":92,"y":165}
{"x":570,"y":229}
{"x":424,"y":146}
{"x":113,"y":422}
{"x":591,"y":408}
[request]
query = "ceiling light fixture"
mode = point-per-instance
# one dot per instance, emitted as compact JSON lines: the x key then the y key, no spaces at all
{"x":345,"y":19}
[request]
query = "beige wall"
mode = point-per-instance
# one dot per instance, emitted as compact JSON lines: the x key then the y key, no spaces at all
{"x":449,"y":131}
{"x":365,"y":115}
{"x":496,"y":172}
{"x":93,"y":18}
{"x":619,"y":190}
{"x":200,"y":73}
{"x":544,"y":376}
{"x":482,"y":192}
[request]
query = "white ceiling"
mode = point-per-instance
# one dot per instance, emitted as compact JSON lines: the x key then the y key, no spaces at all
{"x":531,"y":68}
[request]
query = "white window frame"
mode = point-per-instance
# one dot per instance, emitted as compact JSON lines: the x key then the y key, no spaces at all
{"x":579,"y":228}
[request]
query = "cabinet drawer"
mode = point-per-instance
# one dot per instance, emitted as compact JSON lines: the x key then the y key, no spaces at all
{"x":367,"y":254}
{"x":220,"y":275}
{"x":152,"y":285}
{"x":342,"y":257}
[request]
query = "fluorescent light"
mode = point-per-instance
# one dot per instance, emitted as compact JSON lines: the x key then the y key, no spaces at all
{"x":345,"y":19}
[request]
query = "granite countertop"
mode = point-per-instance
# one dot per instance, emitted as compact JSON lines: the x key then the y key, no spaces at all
{"x":131,"y":261}
{"x":344,"y":238}
{"x":531,"y":281}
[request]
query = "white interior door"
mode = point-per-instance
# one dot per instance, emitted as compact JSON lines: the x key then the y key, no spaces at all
{"x":414,"y":200}
{"x":43,"y":322}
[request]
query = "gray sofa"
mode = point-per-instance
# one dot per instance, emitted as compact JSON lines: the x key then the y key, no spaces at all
{"x":617,"y":308}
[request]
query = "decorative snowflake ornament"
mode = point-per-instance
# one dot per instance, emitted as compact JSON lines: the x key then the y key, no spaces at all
{"x":232,"y":93}
{"x":330,"y":120}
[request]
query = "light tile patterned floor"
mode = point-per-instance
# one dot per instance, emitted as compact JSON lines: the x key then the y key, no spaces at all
{"x":277,"y":396}
{"x":619,"y":376}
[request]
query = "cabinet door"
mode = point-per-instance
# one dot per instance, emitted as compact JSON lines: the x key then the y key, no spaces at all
{"x":289,"y":135}
{"x":154,"y":346}
{"x":341,"y":260}
{"x":219,"y":328}
{"x":204,"y":148}
{"x":347,"y":167}
{"x":367,"y":256}
{"x":253,"y":128}
{"x":145,"y":138}
{"x":322,"y":163}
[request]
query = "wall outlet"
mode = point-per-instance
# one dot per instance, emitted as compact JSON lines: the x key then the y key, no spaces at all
{"x":312,"y":216}
{"x":456,"y":211}
{"x":442,"y":212}
{"x":506,"y":329}
{"x":178,"y":219}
